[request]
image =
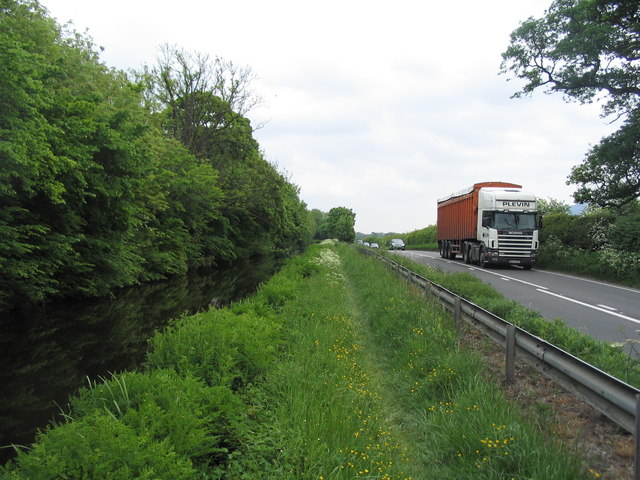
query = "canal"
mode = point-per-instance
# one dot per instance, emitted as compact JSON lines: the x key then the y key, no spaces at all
{"x":47,"y":353}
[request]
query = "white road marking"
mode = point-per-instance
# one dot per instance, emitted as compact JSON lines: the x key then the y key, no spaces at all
{"x":607,"y":307}
{"x":628,"y":289}
{"x":600,"y":309}
{"x":506,"y":277}
{"x":489,"y":272}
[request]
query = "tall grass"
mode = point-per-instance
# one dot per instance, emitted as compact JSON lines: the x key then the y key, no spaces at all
{"x":335,"y":369}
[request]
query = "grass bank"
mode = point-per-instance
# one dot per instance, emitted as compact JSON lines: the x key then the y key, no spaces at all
{"x":335,"y":369}
{"x":611,"y":358}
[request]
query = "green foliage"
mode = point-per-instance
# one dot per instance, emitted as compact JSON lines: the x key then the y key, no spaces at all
{"x":424,"y":236}
{"x":588,"y":231}
{"x":586,"y":50}
{"x":220,"y":347}
{"x":610,"y":173}
{"x":601,"y":243}
{"x":581,"y":49}
{"x":103,"y":186}
{"x":624,"y":234}
{"x":340,"y":223}
{"x":318,"y":220}
{"x":606,"y":263}
{"x":99,"y":446}
{"x":201,"y":103}
{"x":352,"y":375}
{"x":198,"y":421}
{"x":551,"y":206}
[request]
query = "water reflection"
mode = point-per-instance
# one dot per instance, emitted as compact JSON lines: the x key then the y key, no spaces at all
{"x":48,"y":353}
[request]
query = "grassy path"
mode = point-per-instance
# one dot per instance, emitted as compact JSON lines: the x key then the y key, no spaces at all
{"x":373,"y":385}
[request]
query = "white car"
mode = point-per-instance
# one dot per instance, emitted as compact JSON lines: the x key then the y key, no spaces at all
{"x":375,"y":245}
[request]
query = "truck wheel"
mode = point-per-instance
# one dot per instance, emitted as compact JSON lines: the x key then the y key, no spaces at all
{"x":466,"y":253}
{"x":482,"y":258}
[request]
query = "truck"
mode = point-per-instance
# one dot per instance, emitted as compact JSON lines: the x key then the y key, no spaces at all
{"x":489,"y":223}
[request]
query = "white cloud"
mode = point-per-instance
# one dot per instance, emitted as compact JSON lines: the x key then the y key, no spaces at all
{"x":379,"y":107}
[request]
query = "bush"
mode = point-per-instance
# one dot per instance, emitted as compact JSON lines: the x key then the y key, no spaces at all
{"x":625,"y":232}
{"x":423,"y":236}
{"x":606,"y":264}
{"x":221,"y":347}
{"x":198,"y":421}
{"x":99,"y":446}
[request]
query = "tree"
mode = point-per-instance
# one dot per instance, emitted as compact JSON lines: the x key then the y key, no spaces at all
{"x":198,"y":96}
{"x":201,"y":102}
{"x":552,"y":206}
{"x":588,"y":50}
{"x":95,"y":191}
{"x":318,"y":219}
{"x":340,"y":224}
{"x":610,"y":173}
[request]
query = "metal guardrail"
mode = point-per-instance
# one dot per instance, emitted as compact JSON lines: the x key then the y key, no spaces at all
{"x":610,"y":396}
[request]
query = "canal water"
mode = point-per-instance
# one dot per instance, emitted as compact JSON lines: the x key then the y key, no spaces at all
{"x":47,"y":353}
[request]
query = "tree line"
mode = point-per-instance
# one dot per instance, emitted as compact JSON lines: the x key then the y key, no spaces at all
{"x":110,"y":179}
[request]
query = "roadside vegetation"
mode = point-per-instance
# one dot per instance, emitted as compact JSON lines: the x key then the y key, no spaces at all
{"x":611,"y":358}
{"x":601,"y":243}
{"x":334,"y":369}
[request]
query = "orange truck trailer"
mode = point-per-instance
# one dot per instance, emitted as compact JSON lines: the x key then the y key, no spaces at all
{"x":490,"y":223}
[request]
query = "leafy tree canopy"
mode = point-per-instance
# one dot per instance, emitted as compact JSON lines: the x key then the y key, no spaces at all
{"x":340,"y":224}
{"x":552,"y":206}
{"x":610,"y":173}
{"x":106,"y":183}
{"x":588,"y":50}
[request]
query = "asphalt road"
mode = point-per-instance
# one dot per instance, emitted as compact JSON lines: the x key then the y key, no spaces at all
{"x":604,"y":311}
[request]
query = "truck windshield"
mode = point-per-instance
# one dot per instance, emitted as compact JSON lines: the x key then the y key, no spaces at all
{"x":520,"y":221}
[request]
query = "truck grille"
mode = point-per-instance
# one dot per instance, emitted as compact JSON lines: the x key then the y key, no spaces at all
{"x":512,"y":245}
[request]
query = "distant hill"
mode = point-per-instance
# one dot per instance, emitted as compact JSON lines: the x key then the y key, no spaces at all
{"x":577,"y":208}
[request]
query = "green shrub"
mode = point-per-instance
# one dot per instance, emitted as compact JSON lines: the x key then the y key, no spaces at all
{"x":606,"y":264}
{"x":198,"y":421}
{"x":221,"y":347}
{"x":625,"y":232}
{"x":423,"y":236}
{"x":99,"y":446}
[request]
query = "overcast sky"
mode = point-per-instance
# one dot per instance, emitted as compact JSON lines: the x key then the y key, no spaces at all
{"x":381,"y":107}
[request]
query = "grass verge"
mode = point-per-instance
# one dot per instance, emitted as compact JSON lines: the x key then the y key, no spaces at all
{"x":610,"y":358}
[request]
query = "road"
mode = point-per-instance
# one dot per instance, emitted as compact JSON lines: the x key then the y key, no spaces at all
{"x":604,"y":311}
